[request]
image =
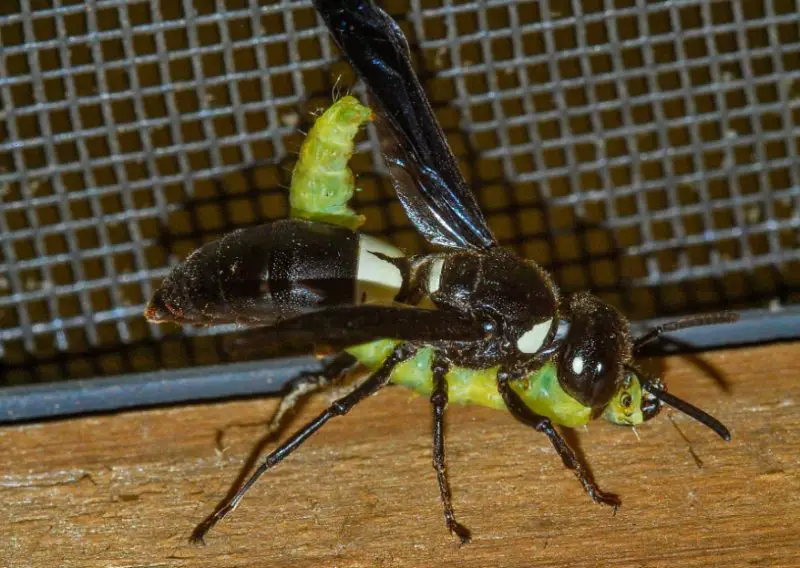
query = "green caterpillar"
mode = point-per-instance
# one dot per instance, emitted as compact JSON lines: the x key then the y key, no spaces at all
{"x":322,"y":184}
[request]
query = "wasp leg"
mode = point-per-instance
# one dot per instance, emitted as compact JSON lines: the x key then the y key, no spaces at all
{"x":310,"y":383}
{"x":439,"y":401}
{"x":340,"y":407}
{"x":299,"y":388}
{"x":542,"y":424}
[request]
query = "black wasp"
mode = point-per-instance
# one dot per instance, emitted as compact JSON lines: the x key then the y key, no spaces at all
{"x":491,"y":327}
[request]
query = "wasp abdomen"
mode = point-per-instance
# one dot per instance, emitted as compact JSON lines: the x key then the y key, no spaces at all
{"x":278,"y":270}
{"x":262,"y":273}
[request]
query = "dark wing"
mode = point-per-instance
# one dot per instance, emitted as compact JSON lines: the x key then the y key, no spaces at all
{"x":344,"y":326}
{"x":424,"y":170}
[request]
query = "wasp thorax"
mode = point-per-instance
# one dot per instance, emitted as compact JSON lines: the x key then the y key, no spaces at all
{"x":594,"y":351}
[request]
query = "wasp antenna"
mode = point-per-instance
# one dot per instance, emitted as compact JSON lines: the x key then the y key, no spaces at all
{"x":688,"y":409}
{"x":690,"y":321}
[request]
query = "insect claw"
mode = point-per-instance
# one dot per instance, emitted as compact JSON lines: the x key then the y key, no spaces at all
{"x":607,"y":499}
{"x":462,"y":532}
{"x":198,"y":535}
{"x":613,"y":501}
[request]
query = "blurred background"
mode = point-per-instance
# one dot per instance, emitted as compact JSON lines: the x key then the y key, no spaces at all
{"x":647,"y":151}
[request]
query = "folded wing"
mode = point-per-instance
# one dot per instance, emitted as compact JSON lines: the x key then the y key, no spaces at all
{"x":424,"y":170}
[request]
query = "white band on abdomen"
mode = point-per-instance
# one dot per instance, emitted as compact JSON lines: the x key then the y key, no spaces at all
{"x":377,"y":280}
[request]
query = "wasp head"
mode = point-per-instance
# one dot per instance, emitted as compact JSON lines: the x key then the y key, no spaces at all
{"x":594,"y":351}
{"x":595,"y":364}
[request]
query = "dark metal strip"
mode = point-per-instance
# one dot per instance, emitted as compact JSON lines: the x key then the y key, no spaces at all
{"x":257,"y":378}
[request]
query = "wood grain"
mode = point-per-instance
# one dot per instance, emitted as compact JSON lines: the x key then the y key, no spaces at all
{"x":126,"y":490}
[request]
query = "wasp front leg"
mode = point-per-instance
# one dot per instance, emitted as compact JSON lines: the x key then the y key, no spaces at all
{"x":439,"y":400}
{"x":543,"y":424}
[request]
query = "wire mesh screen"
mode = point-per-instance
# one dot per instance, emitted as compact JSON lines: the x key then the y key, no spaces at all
{"x":647,"y":151}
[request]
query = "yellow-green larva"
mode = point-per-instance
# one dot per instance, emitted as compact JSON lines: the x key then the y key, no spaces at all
{"x":322,"y":183}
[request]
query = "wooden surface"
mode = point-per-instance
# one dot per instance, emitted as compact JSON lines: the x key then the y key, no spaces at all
{"x":126,"y":490}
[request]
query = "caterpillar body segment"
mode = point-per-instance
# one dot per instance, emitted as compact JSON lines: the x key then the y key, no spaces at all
{"x":540,"y":391}
{"x":322,"y":183}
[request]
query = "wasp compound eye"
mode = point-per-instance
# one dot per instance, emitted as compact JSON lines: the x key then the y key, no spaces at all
{"x":588,"y":373}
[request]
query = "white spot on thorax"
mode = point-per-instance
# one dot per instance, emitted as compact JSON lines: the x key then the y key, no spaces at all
{"x":561,"y":330}
{"x":435,"y":275}
{"x":377,"y":280}
{"x":533,"y":339}
{"x":577,"y":365}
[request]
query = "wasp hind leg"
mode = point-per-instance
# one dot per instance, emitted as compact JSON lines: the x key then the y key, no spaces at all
{"x":439,"y":401}
{"x":294,"y":395}
{"x":340,"y":407}
{"x":542,"y":424}
{"x":310,"y":383}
